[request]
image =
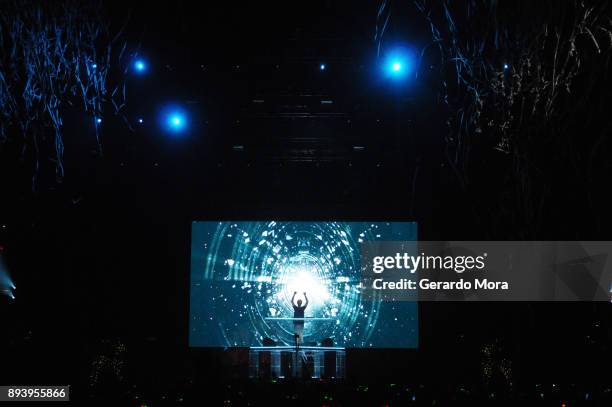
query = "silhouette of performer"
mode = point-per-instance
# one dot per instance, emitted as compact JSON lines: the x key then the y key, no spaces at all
{"x":298,"y":312}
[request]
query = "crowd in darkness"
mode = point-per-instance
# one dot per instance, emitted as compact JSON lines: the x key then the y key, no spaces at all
{"x":320,"y":393}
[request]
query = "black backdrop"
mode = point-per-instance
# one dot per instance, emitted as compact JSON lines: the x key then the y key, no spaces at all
{"x":105,"y":255}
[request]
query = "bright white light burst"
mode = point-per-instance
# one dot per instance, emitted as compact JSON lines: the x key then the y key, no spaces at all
{"x":304,"y":280}
{"x":303,"y":274}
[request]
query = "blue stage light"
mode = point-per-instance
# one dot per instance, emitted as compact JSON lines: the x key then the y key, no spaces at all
{"x":174,"y":119}
{"x":98,"y":120}
{"x":94,"y":66}
{"x":140,"y":121}
{"x":506,"y":66}
{"x":399,"y":63}
{"x":322,"y":67}
{"x":140,"y":66}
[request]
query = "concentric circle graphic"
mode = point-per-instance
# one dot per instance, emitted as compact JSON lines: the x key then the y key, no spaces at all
{"x":266,"y":263}
{"x":245,"y":275}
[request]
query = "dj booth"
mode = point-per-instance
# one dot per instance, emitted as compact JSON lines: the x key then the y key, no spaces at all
{"x":280,"y":362}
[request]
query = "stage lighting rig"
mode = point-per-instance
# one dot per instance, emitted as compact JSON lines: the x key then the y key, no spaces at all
{"x":140,"y":66}
{"x":399,"y":63}
{"x":174,"y":119}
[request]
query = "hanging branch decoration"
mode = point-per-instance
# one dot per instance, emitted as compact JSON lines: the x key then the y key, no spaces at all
{"x":508,"y":77}
{"x":54,"y":54}
{"x":509,"y":73}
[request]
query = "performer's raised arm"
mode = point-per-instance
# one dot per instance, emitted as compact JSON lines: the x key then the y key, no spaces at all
{"x":306,"y":298}
{"x":293,"y":298}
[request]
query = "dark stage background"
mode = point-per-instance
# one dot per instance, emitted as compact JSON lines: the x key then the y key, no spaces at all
{"x":101,"y":260}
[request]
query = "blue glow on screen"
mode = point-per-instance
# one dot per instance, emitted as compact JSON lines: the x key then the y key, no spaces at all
{"x":244,"y":274}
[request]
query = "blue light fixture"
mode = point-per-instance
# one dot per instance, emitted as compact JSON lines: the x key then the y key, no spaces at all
{"x":140,"y":120}
{"x":98,"y":120}
{"x":140,"y":66}
{"x":177,"y":121}
{"x":506,"y":66}
{"x":174,"y":119}
{"x":94,"y":66}
{"x":399,"y":63}
{"x":322,"y":67}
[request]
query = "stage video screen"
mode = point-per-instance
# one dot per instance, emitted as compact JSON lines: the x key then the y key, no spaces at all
{"x":261,"y":282}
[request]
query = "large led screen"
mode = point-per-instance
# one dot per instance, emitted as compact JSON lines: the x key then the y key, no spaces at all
{"x":260,"y":282}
